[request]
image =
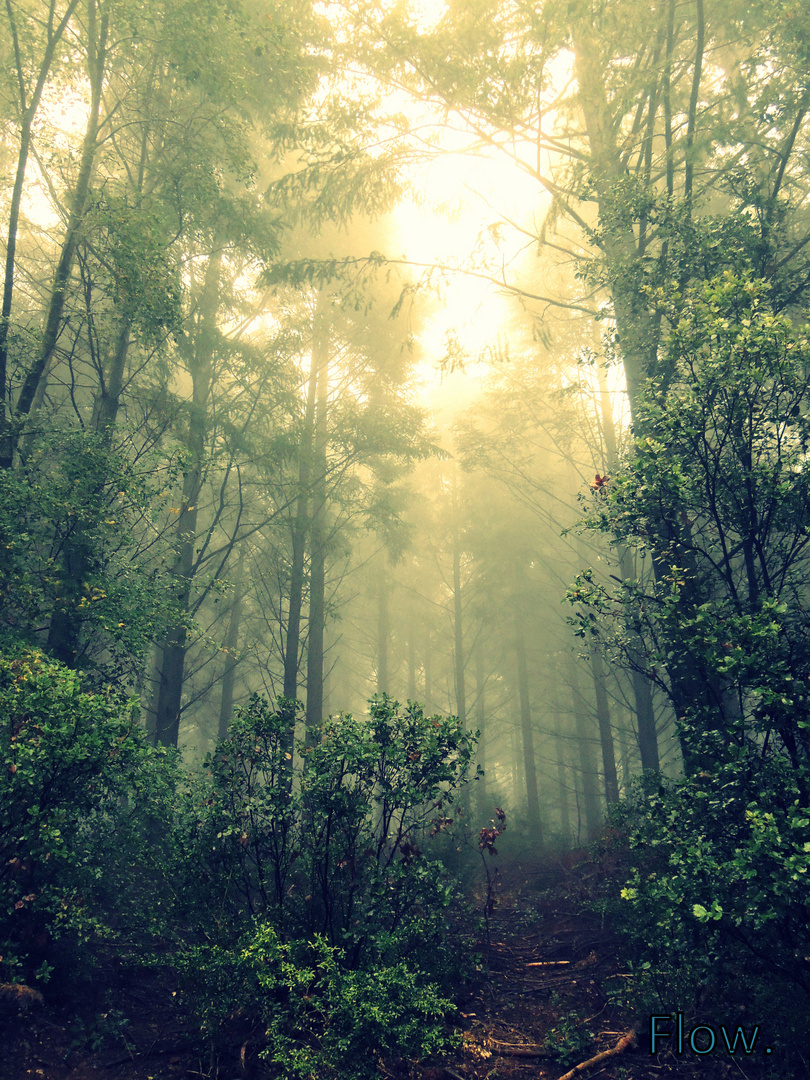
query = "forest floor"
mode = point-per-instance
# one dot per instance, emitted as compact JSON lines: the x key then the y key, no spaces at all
{"x":542,"y":1010}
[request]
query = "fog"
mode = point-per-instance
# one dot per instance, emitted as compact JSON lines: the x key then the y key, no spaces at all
{"x":411,"y":365}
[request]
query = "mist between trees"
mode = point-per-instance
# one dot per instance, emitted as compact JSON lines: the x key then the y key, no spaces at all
{"x":242,"y":478}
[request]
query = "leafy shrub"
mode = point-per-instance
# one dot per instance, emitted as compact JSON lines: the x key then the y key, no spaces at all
{"x":310,"y":1014}
{"x":327,"y":931}
{"x":69,"y":757}
{"x":568,"y":1041}
{"x":338,"y":854}
{"x":716,"y":909}
{"x":714,"y":488}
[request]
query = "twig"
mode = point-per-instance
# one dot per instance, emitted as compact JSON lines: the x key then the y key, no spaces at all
{"x":624,"y":1043}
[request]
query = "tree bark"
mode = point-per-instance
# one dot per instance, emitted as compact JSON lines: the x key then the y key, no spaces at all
{"x":383,"y":633}
{"x":292,"y":642}
{"x":458,"y":635}
{"x":587,"y":756}
{"x":96,"y":59}
{"x":108,"y":398}
{"x":411,"y":658}
{"x":642,"y":688}
{"x":427,"y":669}
{"x":200,"y":359}
{"x":529,"y":762}
{"x":28,"y":111}
{"x":563,"y":797}
{"x":231,"y":647}
{"x":605,"y":731}
{"x":317,"y":563}
{"x":481,"y":724}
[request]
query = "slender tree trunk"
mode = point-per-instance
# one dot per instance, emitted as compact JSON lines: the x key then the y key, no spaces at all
{"x":200,"y":360}
{"x":458,"y":635}
{"x":28,"y":111}
{"x":587,"y":755}
{"x":96,"y":60}
{"x":637,"y":329}
{"x":689,"y":164}
{"x":529,"y":761}
{"x":645,"y":719}
{"x":642,"y":688}
{"x":625,"y":759}
{"x":108,"y":398}
{"x":64,"y":632}
{"x":411,"y":658}
{"x":383,"y":634}
{"x":292,"y":643}
{"x":317,"y":564}
{"x":231,"y":647}
{"x":565,"y":816}
{"x":427,"y":669}
{"x":481,"y":724}
{"x":605,"y":731}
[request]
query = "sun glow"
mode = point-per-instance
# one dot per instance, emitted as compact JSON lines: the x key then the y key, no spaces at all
{"x":455,"y":221}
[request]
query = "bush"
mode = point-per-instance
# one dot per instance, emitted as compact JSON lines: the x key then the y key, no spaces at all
{"x":327,"y":929}
{"x":69,"y":759}
{"x":716,"y":910}
{"x":338,"y":853}
{"x":307,"y":1012}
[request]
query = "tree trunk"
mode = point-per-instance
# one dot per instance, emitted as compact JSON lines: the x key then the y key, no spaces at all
{"x":383,"y":634}
{"x":200,"y":360}
{"x":108,"y":398}
{"x":624,"y":752}
{"x":642,"y":688}
{"x":28,"y":111}
{"x":292,"y":642}
{"x":480,"y":723}
{"x":427,"y":669}
{"x":637,"y":329}
{"x":605,"y":732}
{"x":458,"y":635}
{"x":587,"y":755}
{"x":64,"y":632}
{"x":231,"y":647}
{"x":411,"y":658}
{"x":96,"y":59}
{"x":565,"y":816}
{"x":529,"y":762}
{"x":317,"y":563}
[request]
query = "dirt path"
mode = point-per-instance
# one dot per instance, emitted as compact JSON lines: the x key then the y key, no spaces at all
{"x":546,"y":1008}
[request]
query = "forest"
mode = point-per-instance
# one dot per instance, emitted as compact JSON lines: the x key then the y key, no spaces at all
{"x":404,"y":539}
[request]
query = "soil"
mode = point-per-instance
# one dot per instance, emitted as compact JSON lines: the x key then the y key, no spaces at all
{"x":541,"y":1009}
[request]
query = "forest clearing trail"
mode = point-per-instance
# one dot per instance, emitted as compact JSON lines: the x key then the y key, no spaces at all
{"x":542,"y":1009}
{"x":546,"y":1008}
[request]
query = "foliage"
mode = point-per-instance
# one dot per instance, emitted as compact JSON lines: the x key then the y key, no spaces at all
{"x":315,"y":895}
{"x":74,"y":521}
{"x":569,"y":1040}
{"x":716,"y":905}
{"x":715,"y":490}
{"x":312,"y":1014}
{"x":336,"y":853}
{"x":70,"y":757}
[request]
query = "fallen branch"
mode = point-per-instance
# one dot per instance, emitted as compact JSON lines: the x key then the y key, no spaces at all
{"x":624,"y":1043}
{"x":516,"y":1051}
